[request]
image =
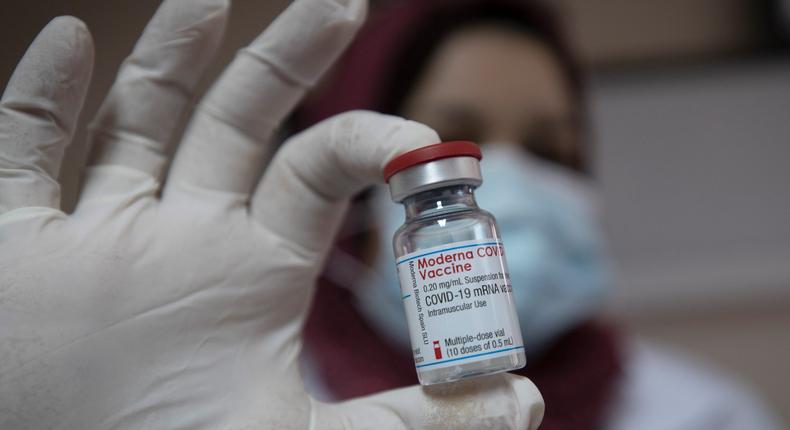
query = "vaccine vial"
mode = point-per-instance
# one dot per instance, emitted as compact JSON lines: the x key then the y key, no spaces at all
{"x":451,"y":265}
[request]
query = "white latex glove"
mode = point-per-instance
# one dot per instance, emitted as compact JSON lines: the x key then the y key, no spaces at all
{"x":180,"y":305}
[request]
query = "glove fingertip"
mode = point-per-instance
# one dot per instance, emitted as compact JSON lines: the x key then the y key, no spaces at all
{"x":71,"y":28}
{"x":55,"y":72}
{"x":62,"y":52}
{"x":356,"y":10}
{"x":530,"y":402}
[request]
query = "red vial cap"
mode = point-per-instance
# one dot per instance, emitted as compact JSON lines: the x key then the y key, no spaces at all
{"x":437,"y":151}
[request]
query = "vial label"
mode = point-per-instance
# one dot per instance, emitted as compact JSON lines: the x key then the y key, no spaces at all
{"x":459,"y":303}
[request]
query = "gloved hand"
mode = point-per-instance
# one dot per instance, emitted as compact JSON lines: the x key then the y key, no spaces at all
{"x":180,"y":305}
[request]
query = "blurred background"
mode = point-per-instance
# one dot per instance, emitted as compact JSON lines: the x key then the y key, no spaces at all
{"x":690,"y":103}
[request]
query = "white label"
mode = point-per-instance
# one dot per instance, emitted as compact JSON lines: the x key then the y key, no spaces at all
{"x":459,"y":303}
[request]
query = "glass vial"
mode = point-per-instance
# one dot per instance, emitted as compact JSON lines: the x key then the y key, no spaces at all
{"x":451,"y":264}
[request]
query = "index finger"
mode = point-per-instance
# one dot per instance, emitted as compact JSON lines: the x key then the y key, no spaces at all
{"x":224,"y":145}
{"x":39,"y":111}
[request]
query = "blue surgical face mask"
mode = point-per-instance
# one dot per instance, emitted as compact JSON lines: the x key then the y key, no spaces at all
{"x":549,"y":225}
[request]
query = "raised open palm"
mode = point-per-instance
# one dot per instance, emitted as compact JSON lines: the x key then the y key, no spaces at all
{"x":179,"y":303}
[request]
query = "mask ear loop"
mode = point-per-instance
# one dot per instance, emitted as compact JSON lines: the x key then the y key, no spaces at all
{"x":343,"y":268}
{"x":358,"y":220}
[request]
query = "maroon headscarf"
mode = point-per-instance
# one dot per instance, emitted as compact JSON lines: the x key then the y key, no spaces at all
{"x":578,"y":373}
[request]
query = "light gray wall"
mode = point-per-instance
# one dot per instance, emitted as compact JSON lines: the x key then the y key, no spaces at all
{"x":694,"y":164}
